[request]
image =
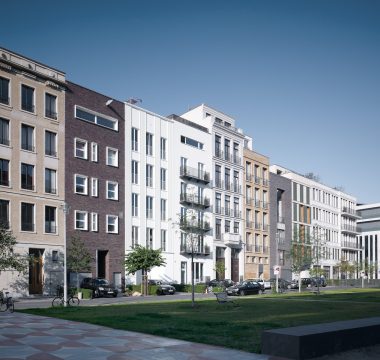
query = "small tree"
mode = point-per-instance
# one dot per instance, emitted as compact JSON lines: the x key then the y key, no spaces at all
{"x":78,"y":257}
{"x":8,"y":259}
{"x":346,"y":268}
{"x":144,"y":259}
{"x":220,"y":268}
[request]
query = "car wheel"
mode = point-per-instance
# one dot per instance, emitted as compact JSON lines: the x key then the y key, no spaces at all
{"x":242,"y":292}
{"x":260,"y":292}
{"x":115,"y":295}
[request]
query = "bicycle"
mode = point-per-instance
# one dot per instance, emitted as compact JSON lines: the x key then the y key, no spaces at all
{"x":7,"y":302}
{"x":60,"y":301}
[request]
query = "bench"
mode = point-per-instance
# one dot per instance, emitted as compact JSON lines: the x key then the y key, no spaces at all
{"x":223,"y":298}
{"x":308,"y":341}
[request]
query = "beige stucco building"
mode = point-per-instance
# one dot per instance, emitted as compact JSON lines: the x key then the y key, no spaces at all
{"x":32,"y":115}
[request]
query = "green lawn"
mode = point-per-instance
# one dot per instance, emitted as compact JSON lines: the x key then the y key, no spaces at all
{"x":236,"y":327}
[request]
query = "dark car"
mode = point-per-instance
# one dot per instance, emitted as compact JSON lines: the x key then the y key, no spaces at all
{"x":315,"y":281}
{"x":100,"y":287}
{"x":282,"y":283}
{"x":222,"y":283}
{"x":245,"y":288}
{"x":164,"y":288}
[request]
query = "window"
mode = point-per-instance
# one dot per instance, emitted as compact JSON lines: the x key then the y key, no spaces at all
{"x":218,"y":176}
{"x":218,"y":147}
{"x":81,"y":149}
{"x":163,"y":209}
{"x":236,"y":157}
{"x":54,"y":256}
{"x":227,"y":179}
{"x":135,"y":139}
{"x":27,"y":176}
{"x":51,"y":106}
{"x":27,"y":137}
{"x":135,"y":172}
{"x":94,"y":152}
{"x":94,"y":222}
{"x":236,"y":207}
{"x":50,"y":143}
{"x":163,"y":148}
{"x":149,"y":175}
{"x":27,"y":217}
{"x":191,"y":142}
{"x":112,"y":224}
{"x":50,"y":220}
{"x":236,"y":227}
{"x":218,"y":203}
{"x":4,"y":213}
{"x":135,"y":204}
{"x":81,"y":184}
{"x":94,"y":187}
{"x":4,"y":172}
{"x":4,"y":91}
{"x":163,"y":179}
{"x":50,"y":181}
{"x":112,"y":157}
{"x":97,"y":119}
{"x":218,"y":229}
{"x":163,"y":240}
{"x":135,"y":236}
{"x":227,"y":226}
{"x":149,"y":144}
{"x":149,"y":238}
{"x":236,"y":182}
{"x":226,"y":149}
{"x":81,"y":220}
{"x":112,"y":190}
{"x":149,"y":207}
{"x":27,"y":98}
{"x":4,"y":132}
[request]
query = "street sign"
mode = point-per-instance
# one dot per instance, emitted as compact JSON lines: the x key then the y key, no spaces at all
{"x":276,"y":269}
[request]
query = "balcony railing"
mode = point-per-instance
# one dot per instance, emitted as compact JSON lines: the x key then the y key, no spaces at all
{"x":50,"y":152}
{"x":149,"y":181}
{"x":236,"y":213}
{"x":351,"y":245}
{"x":27,"y":186}
{"x":194,"y":226}
{"x":227,"y":211}
{"x":219,"y":153}
{"x":149,"y":213}
{"x":265,"y":249}
{"x":149,"y":150}
{"x":232,"y":239}
{"x":195,"y":200}
{"x":218,"y":183}
{"x":218,"y":210}
{"x":236,"y":159}
{"x":237,"y":188}
{"x":265,"y":204}
{"x":249,"y":201}
{"x":350,"y":212}
{"x":195,"y":174}
{"x":27,"y":107}
{"x":265,"y":227}
{"x":265,"y":182}
{"x":257,"y":203}
{"x":163,"y":185}
{"x":349,"y":228}
{"x":196,"y":250}
{"x":248,"y":177}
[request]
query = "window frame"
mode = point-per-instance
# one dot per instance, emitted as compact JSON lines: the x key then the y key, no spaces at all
{"x":52,"y":186}
{"x":53,"y":114}
{"x":33,"y":186}
{"x":8,"y":102}
{"x":116,"y":191}
{"x":94,"y":222}
{"x":32,"y":147}
{"x":108,"y":149}
{"x":96,"y":118}
{"x":55,"y":220}
{"x":32,"y":109}
{"x":85,"y":185}
{"x":48,"y":152}
{"x":116,"y":231}
{"x":33,"y":217}
{"x":85,"y":213}
{"x":94,"y":152}
{"x":94,"y":189}
{"x":5,"y":140}
{"x":85,"y":157}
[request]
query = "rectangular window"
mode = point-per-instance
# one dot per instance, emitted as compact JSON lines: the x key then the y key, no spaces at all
{"x":112,"y":157}
{"x":4,"y":172}
{"x":135,"y":139}
{"x":135,"y":236}
{"x":112,"y":224}
{"x":81,"y":222}
{"x":54,"y":256}
{"x":94,"y":187}
{"x":51,"y":106}
{"x":163,"y":209}
{"x":97,"y":119}
{"x":149,"y":144}
{"x":94,"y":222}
{"x":81,"y":184}
{"x":94,"y":152}
{"x":50,"y":220}
{"x":218,"y":229}
{"x":227,"y":155}
{"x":135,"y":172}
{"x":149,"y":207}
{"x":80,"y":148}
{"x":191,"y":142}
{"x":112,"y":190}
{"x":163,"y":148}
{"x":4,"y":91}
{"x":50,"y":181}
{"x":135,"y":204}
{"x":27,"y":217}
{"x":218,"y":176}
{"x":163,"y":240}
{"x":27,"y":98}
{"x":50,"y":143}
{"x":218,"y":147}
{"x":163,"y":179}
{"x":4,"y":213}
{"x":4,"y":132}
{"x":27,"y":176}
{"x":27,"y":137}
{"x":149,"y":238}
{"x":149,"y":175}
{"x":227,"y":226}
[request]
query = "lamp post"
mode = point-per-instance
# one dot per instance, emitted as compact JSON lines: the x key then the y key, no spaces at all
{"x":65,"y":208}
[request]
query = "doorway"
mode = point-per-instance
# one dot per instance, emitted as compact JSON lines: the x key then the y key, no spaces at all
{"x":102,"y":263}
{"x":35,"y":271}
{"x":235,"y":265}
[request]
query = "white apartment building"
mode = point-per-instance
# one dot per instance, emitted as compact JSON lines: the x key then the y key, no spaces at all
{"x":328,"y":216}
{"x":227,"y":193}
{"x":167,"y":173}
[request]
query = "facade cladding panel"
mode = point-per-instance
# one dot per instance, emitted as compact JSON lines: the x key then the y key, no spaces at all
{"x":107,"y":249}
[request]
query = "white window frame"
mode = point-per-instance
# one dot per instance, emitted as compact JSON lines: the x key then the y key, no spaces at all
{"x":116,"y":190}
{"x":135,"y":141}
{"x":163,"y":212}
{"x":116,"y":218}
{"x":149,"y":211}
{"x":163,"y":232}
{"x":135,"y":209}
{"x":94,"y":222}
{"x":94,"y":152}
{"x":85,"y":213}
{"x":149,"y":173}
{"x":108,"y":149}
{"x":135,"y":176}
{"x":85,"y":185}
{"x":94,"y":187}
{"x":135,"y":236}
{"x":85,"y":157}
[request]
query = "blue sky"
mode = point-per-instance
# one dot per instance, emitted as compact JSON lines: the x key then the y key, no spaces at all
{"x":301,"y":77}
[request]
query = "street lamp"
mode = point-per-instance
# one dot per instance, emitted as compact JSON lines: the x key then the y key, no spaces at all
{"x":65,"y":208}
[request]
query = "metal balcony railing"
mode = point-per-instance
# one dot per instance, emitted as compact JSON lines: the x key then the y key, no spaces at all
{"x":196,"y":249}
{"x":265,"y":227}
{"x":195,"y":226}
{"x":27,"y":147}
{"x":265,"y":204}
{"x":195,"y":200}
{"x":195,"y":174}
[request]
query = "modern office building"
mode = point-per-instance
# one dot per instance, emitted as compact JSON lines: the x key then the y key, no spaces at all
{"x":369,"y":238}
{"x":257,"y":215}
{"x":32,"y":155}
{"x":94,"y":178}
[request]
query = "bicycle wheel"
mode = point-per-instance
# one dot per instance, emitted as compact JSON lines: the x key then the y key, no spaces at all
{"x":3,"y":305}
{"x":57,"y":301}
{"x":11,"y":305}
{"x":73,"y":301}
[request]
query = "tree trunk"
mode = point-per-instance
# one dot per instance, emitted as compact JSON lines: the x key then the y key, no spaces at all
{"x":192,"y":280}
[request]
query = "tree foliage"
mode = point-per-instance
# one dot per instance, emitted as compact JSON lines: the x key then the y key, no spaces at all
{"x":220,"y":268}
{"x":8,"y":259}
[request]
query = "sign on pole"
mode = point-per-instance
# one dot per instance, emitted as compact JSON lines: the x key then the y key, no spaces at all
{"x":276,"y":269}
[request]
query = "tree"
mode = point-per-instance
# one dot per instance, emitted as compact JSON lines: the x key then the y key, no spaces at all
{"x":219,"y":269}
{"x":346,"y":268}
{"x":78,"y":257}
{"x":8,"y":259}
{"x":144,"y":259}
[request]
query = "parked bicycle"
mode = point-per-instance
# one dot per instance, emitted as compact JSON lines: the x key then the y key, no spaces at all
{"x":59,"y":300}
{"x":7,"y":302}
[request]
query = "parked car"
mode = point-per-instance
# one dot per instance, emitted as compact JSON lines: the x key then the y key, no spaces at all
{"x":293,"y":284}
{"x":226,"y":283}
{"x":282,"y":283}
{"x":314,"y":281}
{"x":245,"y":288}
{"x":265,"y":283}
{"x":165,"y":288}
{"x":100,"y":287}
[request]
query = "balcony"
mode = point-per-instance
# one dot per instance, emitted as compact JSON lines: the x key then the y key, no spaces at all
{"x":346,"y":211}
{"x":351,"y":245}
{"x":196,"y":250}
{"x":232,"y":240}
{"x":351,"y":229}
{"x":195,"y":227}
{"x":195,"y":200}
{"x":189,"y":173}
